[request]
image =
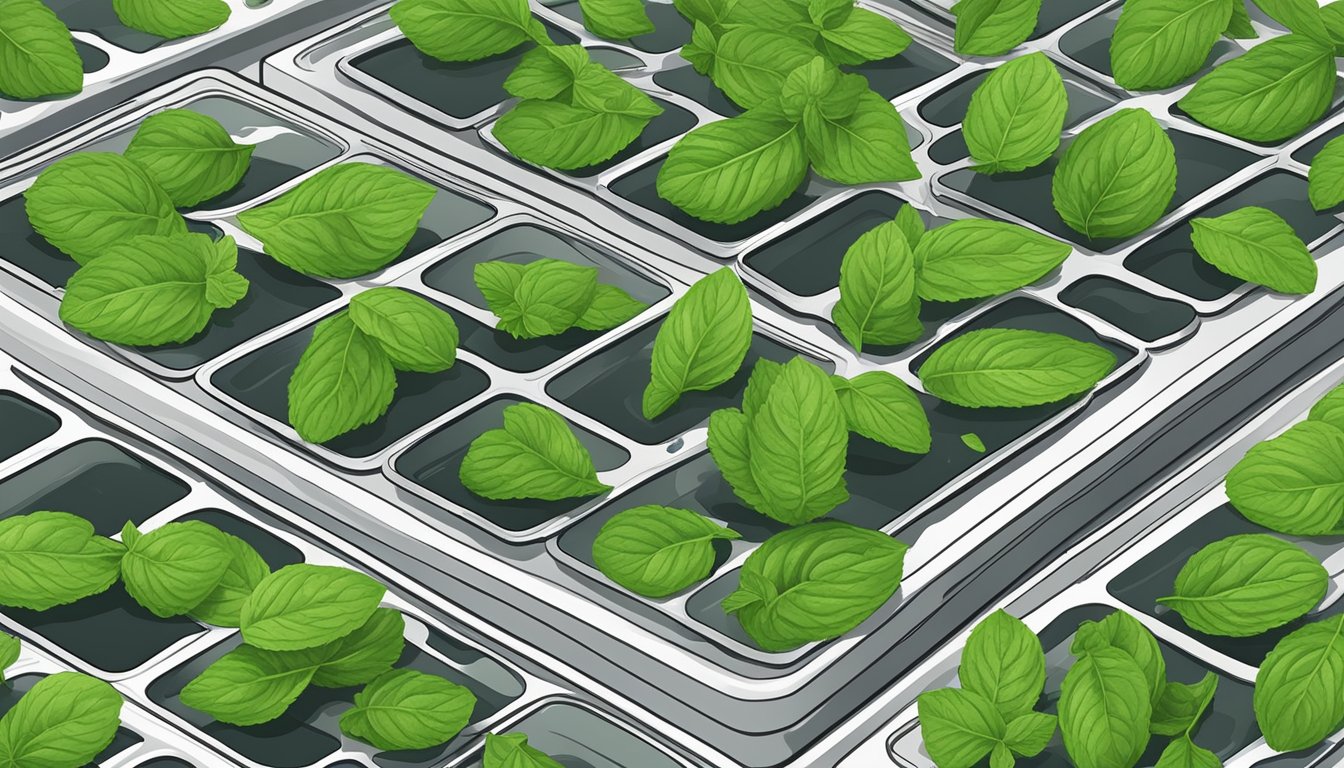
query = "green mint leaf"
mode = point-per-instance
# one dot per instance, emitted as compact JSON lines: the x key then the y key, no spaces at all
{"x":1239,"y":27}
{"x":1001,"y":756}
{"x":53,"y":558}
{"x":189,"y":155}
{"x":863,"y":36}
{"x":750,"y":64}
{"x":959,"y":727}
{"x":511,"y":750}
{"x":1301,"y":16}
{"x":657,"y":551}
{"x":551,"y":296}
{"x":1258,"y":246}
{"x":556,"y":135}
{"x":701,"y":343}
{"x":828,"y":14}
{"x":1122,"y":632}
{"x":1299,"y":697}
{"x":88,"y":201}
{"x":764,"y":374}
{"x":1003,"y":662}
{"x":405,"y":709}
{"x":1117,"y":177}
{"x":1247,"y":585}
{"x":153,"y":289}
{"x":498,"y":283}
{"x":466,"y":30}
{"x":172,"y":569}
{"x":700,"y":51}
{"x":1028,"y":734}
{"x":868,"y":146}
{"x":730,"y":170}
{"x":611,"y":307}
{"x":730,"y":448}
{"x":362,"y":655}
{"x":798,"y":443}
{"x":815,"y":583}
{"x":1330,"y":409}
{"x":911,"y":225}
{"x":1159,"y":43}
{"x":346,"y":221}
{"x":344,"y":380}
{"x":171,"y":20}
{"x":976,"y":258}
{"x":616,"y":19}
{"x":415,"y":334}
{"x":1104,"y":710}
{"x":1333,"y":16}
{"x":37,"y":53}
{"x":10,"y":648}
{"x":250,"y":686}
{"x":547,"y":71}
{"x":973,"y":441}
{"x":1183,"y":753}
{"x":994,"y":27}
{"x":65,"y":719}
{"x":881,"y":407}
{"x":534,"y":456}
{"x":246,"y":569}
{"x":821,"y":87}
{"x":1325,"y":180}
{"x":304,"y":606}
{"x":1002,"y":367}
{"x":1270,"y":93}
{"x":877,"y":289}
{"x":1181,"y":706}
{"x":1293,"y":483}
{"x":765,"y":14}
{"x":1016,"y":115}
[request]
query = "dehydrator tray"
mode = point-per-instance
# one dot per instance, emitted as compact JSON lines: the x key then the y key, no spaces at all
{"x":1199,"y":354}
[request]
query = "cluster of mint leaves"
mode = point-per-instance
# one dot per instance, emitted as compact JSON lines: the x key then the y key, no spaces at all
{"x":547,"y":297}
{"x":64,"y":721}
{"x":573,"y":112}
{"x":37,"y":52}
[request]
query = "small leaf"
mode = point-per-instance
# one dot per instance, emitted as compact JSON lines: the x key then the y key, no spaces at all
{"x":731,"y":450}
{"x":865,"y":147}
{"x":37,"y":53}
{"x":1293,"y":483}
{"x":863,"y":36}
{"x":751,"y":63}
{"x":250,"y":686}
{"x":364,"y":654}
{"x":959,"y":727}
{"x":610,"y":307}
{"x":657,"y":551}
{"x":223,"y":606}
{"x":1104,"y":710}
{"x":1181,"y":706}
{"x":994,"y":27}
{"x":343,"y":381}
{"x":405,"y":709}
{"x":1013,"y":368}
{"x":511,"y":750}
{"x":1122,"y":632}
{"x":10,"y":648}
{"x":1325,"y":181}
{"x":973,"y":441}
{"x":1003,"y":661}
{"x":877,"y":289}
{"x":304,"y":606}
{"x":172,"y":569}
{"x":1299,"y":690}
{"x":534,"y":456}
{"x":1030,"y":733}
{"x":1117,"y":177}
{"x":978,"y":258}
{"x":1182,"y":753}
{"x":415,"y":334}
{"x":189,"y":154}
{"x":615,"y":19}
{"x":701,"y":343}
{"x":1256,"y":245}
{"x":881,"y":407}
{"x":1016,"y":115}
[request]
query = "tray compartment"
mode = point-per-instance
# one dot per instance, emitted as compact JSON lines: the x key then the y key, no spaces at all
{"x":25,"y":424}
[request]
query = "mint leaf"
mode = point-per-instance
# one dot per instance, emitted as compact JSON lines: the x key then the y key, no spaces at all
{"x":415,"y":334}
{"x":764,"y":374}
{"x":615,"y":19}
{"x":1117,"y":177}
{"x":860,"y":36}
{"x":189,"y":155}
{"x":1104,"y":710}
{"x":304,"y":606}
{"x":1181,"y":706}
{"x":1003,"y":662}
{"x":405,"y":709}
{"x":1258,"y":246}
{"x":973,"y":441}
{"x":362,"y":655}
{"x":1159,"y":43}
{"x":1293,"y":483}
{"x":1299,"y":690}
{"x":976,"y":258}
{"x":344,"y":380}
{"x":547,"y":71}
{"x":730,"y":447}
{"x":868,"y":146}
{"x":511,"y":750}
{"x":881,"y":407}
{"x":466,"y":30}
{"x":731,"y":170}
{"x":180,"y":18}
{"x":911,"y":225}
{"x":534,"y":456}
{"x":1016,"y":115}
{"x":250,"y":686}
{"x":172,"y":569}
{"x":550,"y":297}
{"x":815,"y":583}
{"x":750,"y":63}
{"x":1325,"y":180}
{"x":154,"y":290}
{"x":1330,"y":409}
{"x":1122,"y":632}
{"x":65,"y":719}
{"x":1301,"y":16}
{"x":1182,"y":753}
{"x":37,"y":53}
{"x":88,"y":201}
{"x":798,"y":443}
{"x":1029,"y":734}
{"x":959,"y":727}
{"x":819,"y":86}
{"x":610,"y":307}
{"x":246,"y":569}
{"x":1013,"y":369}
{"x":564,"y":136}
{"x":1239,"y":27}
{"x":348,"y":220}
{"x":54,"y":558}
{"x":1269,"y":94}
{"x":994,"y":27}
{"x":702,"y":341}
{"x":1247,"y":585}
{"x":877,"y":289}
{"x":10,"y":648}
{"x":657,"y":551}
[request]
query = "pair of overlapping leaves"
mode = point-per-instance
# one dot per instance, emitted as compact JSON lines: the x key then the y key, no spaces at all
{"x":547,"y":297}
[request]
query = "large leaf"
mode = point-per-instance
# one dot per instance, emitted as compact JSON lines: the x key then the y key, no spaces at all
{"x":1293,"y":483}
{"x":702,"y":342}
{"x":1016,"y":115}
{"x":1013,"y":368}
{"x":1117,"y":177}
